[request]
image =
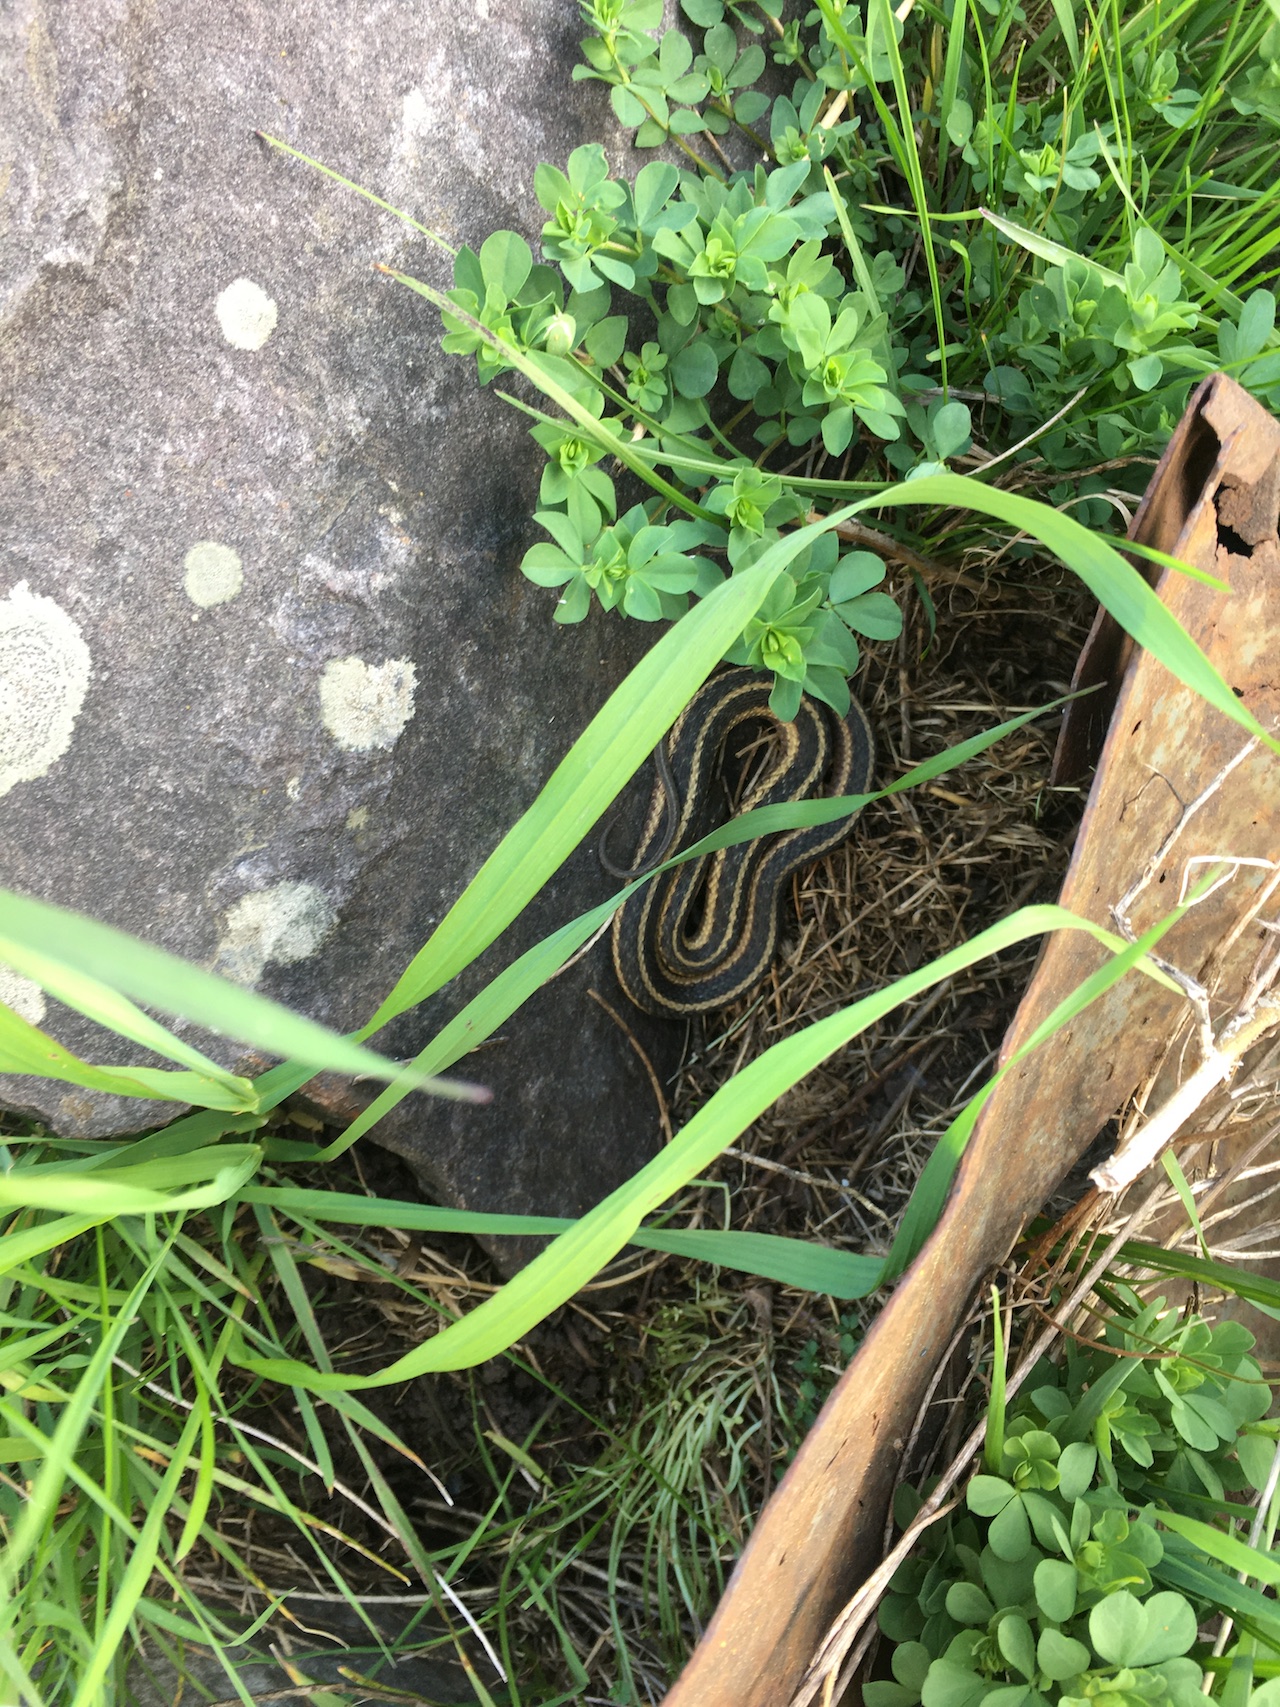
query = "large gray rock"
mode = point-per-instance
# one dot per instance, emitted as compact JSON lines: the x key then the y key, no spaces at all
{"x":271,"y":685}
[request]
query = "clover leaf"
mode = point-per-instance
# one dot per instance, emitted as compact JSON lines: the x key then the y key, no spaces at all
{"x":1030,"y":1460}
{"x":1056,"y":1590}
{"x":573,"y":478}
{"x":633,"y":565}
{"x":1130,"y":1632}
{"x":1060,"y":1657}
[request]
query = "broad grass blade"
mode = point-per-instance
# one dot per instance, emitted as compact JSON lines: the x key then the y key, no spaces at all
{"x":23,"y":1246}
{"x":1036,"y":243}
{"x":1064,"y":12}
{"x":194,"y":1181}
{"x":791,"y":1262}
{"x":930,"y":1193}
{"x":557,"y":1273}
{"x":495,"y":1004}
{"x":1259,"y":1289}
{"x":604,"y":757}
{"x":25,"y":1049}
{"x":1113,"y":582}
{"x":50,"y":944}
{"x":1180,"y":1183}
{"x":1228,"y":1550}
{"x":1183,"y":1567}
{"x":193,"y":1132}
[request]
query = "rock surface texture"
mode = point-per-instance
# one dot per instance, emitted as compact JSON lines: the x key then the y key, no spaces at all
{"x":271,"y":685}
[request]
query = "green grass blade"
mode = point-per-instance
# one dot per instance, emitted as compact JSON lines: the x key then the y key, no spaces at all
{"x":1153,"y":554}
{"x":281,"y":1081}
{"x":482,"y":1016}
{"x":1237,"y":1686}
{"x":358,"y":189}
{"x":193,"y":1132}
{"x":1228,"y":1550}
{"x":537,"y":369}
{"x":36,"y":937}
{"x":46,"y":1489}
{"x":194,"y":1181}
{"x":925,"y":1203}
{"x":604,"y":757}
{"x":1213,"y":288}
{"x":16,"y":1350}
{"x":24,"y":1048}
{"x":858,"y":261}
{"x":1064,"y":12}
{"x":19,"y":1248}
{"x":496,"y":1003}
{"x":792,"y":1262}
{"x":1036,"y":243}
{"x":349,"y":1209}
{"x":356,"y":1415}
{"x":290,"y":1278}
{"x":1183,"y":1568}
{"x":1178,"y":1180}
{"x":202,"y":1493}
{"x":953,"y":66}
{"x":993,"y":1447}
{"x":1258,"y":1289}
{"x":902,"y":140}
{"x":127,"y":1589}
{"x":1113,"y":582}
{"x":557,"y":1273}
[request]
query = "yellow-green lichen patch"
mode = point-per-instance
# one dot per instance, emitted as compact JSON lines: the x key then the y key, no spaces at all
{"x":366,"y":705}
{"x":246,"y":314}
{"x":212,"y":574}
{"x":279,"y":926}
{"x":44,"y":676}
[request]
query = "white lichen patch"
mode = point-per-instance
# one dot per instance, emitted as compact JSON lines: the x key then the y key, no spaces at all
{"x":415,"y":114}
{"x":44,"y":676}
{"x":366,"y":705}
{"x":357,"y":818}
{"x":277,"y":926}
{"x":246,"y":314}
{"x":212,"y":574}
{"x":22,"y":994}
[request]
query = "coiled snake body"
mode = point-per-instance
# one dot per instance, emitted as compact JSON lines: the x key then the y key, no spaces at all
{"x":698,"y":936}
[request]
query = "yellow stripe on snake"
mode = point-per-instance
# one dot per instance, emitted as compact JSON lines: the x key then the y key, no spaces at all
{"x":697,"y":937}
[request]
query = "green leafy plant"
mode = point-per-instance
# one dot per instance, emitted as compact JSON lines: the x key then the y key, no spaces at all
{"x":1066,"y":1578}
{"x":815,"y":1375}
{"x":720,"y":320}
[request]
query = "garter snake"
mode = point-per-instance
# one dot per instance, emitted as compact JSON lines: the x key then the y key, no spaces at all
{"x":696,"y":937}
